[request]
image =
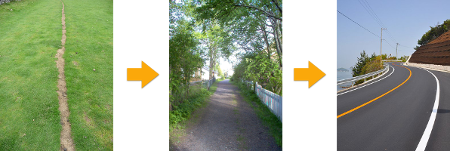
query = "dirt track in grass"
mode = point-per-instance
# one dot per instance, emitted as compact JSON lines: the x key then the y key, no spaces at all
{"x":66,"y":138}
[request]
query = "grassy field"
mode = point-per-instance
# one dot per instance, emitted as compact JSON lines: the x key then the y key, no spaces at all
{"x":89,"y":46}
{"x":30,"y":36}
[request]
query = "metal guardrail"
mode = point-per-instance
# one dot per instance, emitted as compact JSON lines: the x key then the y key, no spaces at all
{"x":392,"y":60}
{"x":365,"y":76}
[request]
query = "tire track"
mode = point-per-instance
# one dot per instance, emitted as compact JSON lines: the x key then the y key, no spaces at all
{"x":65,"y":138}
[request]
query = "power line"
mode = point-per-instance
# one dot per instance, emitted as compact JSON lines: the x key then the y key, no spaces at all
{"x":389,"y":43}
{"x":358,"y":24}
{"x":374,"y":16}
{"x":371,"y":12}
{"x":364,"y":28}
{"x":377,"y":19}
{"x":405,"y":46}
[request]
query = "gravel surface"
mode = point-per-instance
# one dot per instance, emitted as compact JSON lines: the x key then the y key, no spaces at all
{"x":226,"y":123}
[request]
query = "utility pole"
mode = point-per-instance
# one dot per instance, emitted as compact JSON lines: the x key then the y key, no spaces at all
{"x":381,"y":47}
{"x":396,"y":56}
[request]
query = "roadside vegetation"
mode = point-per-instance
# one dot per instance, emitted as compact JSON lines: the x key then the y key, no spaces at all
{"x":433,"y":33}
{"x":367,"y":64}
{"x":268,"y":119}
{"x":180,"y":113}
{"x":260,"y":67}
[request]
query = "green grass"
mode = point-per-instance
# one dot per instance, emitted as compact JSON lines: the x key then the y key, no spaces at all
{"x":268,"y":119}
{"x":181,"y":113}
{"x":30,"y":36}
{"x":89,"y":46}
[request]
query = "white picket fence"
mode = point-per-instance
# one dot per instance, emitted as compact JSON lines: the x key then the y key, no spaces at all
{"x":273,"y":101}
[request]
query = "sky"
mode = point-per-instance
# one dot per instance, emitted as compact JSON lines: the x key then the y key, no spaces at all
{"x":405,"y":20}
{"x":224,"y":66}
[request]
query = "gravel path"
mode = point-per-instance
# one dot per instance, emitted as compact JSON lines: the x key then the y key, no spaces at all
{"x":226,"y":123}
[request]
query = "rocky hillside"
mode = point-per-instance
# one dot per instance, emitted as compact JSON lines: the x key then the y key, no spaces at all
{"x":435,"y":52}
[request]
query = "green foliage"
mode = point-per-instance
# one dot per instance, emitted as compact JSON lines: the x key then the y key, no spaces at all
{"x":404,"y":58}
{"x":366,"y":64}
{"x":257,"y":67}
{"x":182,"y":112}
{"x":219,"y":71}
{"x":434,"y":32}
{"x":184,"y":58}
{"x":250,"y":22}
{"x":363,"y":59}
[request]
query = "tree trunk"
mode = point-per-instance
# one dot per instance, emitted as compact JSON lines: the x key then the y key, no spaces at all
{"x":263,"y":28}
{"x":276,"y":36}
{"x":170,"y":105}
{"x":212,"y":61}
{"x":211,"y":65}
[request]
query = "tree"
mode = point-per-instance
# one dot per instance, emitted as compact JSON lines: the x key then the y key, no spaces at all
{"x":433,"y":33}
{"x":217,"y":43}
{"x":253,"y":23}
{"x":257,"y":67}
{"x":219,"y":71}
{"x":362,"y":60}
{"x":184,"y":56}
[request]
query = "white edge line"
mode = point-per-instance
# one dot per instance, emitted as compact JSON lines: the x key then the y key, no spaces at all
{"x":368,"y":84}
{"x":427,"y":133}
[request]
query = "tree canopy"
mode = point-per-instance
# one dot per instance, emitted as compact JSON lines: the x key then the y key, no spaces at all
{"x":203,"y":31}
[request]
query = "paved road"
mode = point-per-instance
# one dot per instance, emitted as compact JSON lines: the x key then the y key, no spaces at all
{"x":396,"y":117}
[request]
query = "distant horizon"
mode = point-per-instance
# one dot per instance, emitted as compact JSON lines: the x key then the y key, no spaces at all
{"x":344,"y":68}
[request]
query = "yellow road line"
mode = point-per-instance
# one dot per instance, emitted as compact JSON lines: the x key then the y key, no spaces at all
{"x":362,"y":105}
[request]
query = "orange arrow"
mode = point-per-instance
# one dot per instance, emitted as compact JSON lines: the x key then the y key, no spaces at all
{"x":144,"y":74}
{"x":311,"y":74}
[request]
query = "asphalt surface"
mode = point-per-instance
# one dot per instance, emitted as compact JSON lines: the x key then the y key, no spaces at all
{"x":397,"y":120}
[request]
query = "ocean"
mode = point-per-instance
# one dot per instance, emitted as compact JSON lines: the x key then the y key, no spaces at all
{"x":343,"y":75}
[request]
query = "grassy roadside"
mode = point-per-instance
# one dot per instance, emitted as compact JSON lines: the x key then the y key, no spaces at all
{"x":30,"y":36}
{"x":268,"y":119}
{"x":182,"y":113}
{"x":89,"y":46}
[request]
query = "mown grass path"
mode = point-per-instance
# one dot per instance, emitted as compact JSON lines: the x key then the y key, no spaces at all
{"x":30,"y":35}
